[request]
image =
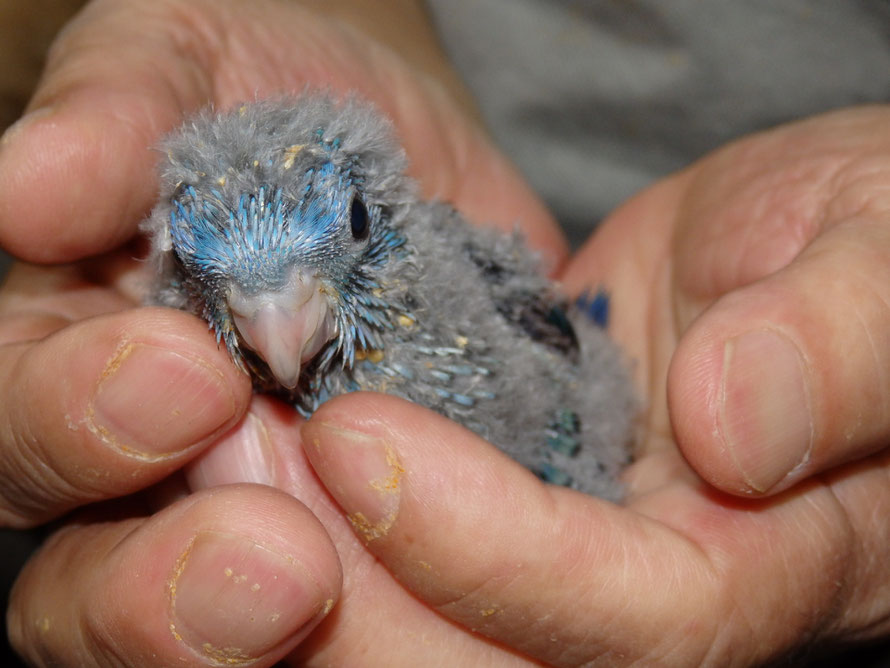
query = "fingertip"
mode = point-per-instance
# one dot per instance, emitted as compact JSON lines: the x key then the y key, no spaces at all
{"x":141,"y":393}
{"x":238,"y":574}
{"x":363,"y":437}
{"x":395,"y":467}
{"x":157,"y":383}
{"x":262,"y":448}
{"x":362,"y":469}
{"x":254,"y":578}
{"x":740,"y":398}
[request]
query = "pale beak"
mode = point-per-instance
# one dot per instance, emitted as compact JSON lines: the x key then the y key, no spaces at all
{"x":285,"y":327}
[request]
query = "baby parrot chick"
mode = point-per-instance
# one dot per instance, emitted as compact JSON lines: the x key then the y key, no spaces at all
{"x":291,"y":227}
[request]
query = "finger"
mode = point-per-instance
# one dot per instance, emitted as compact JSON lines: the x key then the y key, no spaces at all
{"x":236,"y":575}
{"x":265,"y":448}
{"x":787,"y":375}
{"x":124,"y":73}
{"x":795,"y":369}
{"x":112,"y":85}
{"x":37,"y":301}
{"x":107,"y":406}
{"x":750,"y":208}
{"x":481,"y":540}
{"x":569,"y":579}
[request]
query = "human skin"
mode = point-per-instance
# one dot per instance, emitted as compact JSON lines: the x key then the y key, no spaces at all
{"x":760,"y":458}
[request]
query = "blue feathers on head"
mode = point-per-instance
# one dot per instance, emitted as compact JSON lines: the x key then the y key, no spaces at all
{"x":281,"y":196}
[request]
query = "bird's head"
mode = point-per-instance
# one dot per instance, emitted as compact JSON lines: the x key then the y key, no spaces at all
{"x":282,"y":220}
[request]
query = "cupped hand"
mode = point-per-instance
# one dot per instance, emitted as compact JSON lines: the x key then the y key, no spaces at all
{"x":749,"y":291}
{"x":453,"y":555}
{"x":104,"y":400}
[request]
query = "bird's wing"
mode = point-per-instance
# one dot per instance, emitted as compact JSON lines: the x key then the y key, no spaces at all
{"x":525,"y":299}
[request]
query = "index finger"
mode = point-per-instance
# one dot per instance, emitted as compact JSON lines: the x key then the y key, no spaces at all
{"x":76,"y":172}
{"x":106,"y":406}
{"x":79,"y":169}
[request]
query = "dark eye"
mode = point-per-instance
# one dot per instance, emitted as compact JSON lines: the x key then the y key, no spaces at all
{"x":358,"y":218}
{"x":181,"y":191}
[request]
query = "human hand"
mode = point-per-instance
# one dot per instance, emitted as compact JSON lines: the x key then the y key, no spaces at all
{"x":105,"y":399}
{"x":782,"y":232}
{"x":623,"y":544}
{"x":101,"y":402}
{"x":123,"y":74}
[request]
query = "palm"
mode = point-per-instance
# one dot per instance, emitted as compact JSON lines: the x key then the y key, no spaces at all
{"x":683,"y":260}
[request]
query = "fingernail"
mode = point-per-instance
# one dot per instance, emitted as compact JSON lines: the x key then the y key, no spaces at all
{"x":152,"y":402}
{"x":243,"y":455}
{"x":16,"y":128}
{"x":234,"y":600}
{"x":361,"y":471}
{"x":765,"y":417}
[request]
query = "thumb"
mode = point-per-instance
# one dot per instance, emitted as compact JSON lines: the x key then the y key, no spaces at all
{"x":236,"y":575}
{"x":780,"y":372}
{"x":483,"y":542}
